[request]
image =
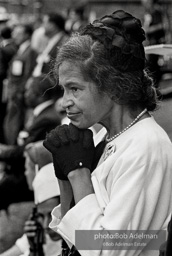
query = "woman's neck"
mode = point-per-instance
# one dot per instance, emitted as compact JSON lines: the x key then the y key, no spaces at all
{"x":122,"y":117}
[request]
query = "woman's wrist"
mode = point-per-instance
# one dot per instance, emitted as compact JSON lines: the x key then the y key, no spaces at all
{"x":79,"y":173}
{"x":66,"y":195}
{"x":80,"y":180}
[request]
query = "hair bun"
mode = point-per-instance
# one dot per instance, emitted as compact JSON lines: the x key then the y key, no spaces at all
{"x":134,"y":29}
{"x":121,"y":30}
{"x":128,"y":25}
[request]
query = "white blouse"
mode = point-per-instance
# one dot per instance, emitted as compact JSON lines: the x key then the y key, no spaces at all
{"x":133,"y":189}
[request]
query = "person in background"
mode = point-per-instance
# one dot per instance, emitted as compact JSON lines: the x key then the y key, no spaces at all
{"x":35,"y":154}
{"x":39,"y":39}
{"x":40,"y":96}
{"x":47,"y":196}
{"x":154,"y":26}
{"x":53,"y":25}
{"x":21,"y":68}
{"x":4,"y":18}
{"x":76,"y":19}
{"x":8,"y":49}
{"x":115,"y":182}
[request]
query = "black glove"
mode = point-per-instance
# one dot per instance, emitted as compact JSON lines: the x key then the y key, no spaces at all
{"x":72,"y":148}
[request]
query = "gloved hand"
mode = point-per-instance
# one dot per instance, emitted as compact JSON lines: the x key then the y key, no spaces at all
{"x":71,"y":148}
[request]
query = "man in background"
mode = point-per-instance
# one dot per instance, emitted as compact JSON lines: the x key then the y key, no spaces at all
{"x":154,"y":27}
{"x":54,"y":29}
{"x":8,"y":49}
{"x":40,"y":97}
{"x":21,"y":69}
{"x":47,"y":196}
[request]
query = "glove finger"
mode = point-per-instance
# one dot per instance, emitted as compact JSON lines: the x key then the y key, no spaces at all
{"x":51,"y":141}
{"x":48,"y":146}
{"x":73,"y":132}
{"x":54,"y":138}
{"x":87,"y":138}
{"x":63,"y":133}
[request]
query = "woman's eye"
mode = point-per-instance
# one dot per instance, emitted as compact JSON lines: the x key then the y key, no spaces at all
{"x":74,"y":89}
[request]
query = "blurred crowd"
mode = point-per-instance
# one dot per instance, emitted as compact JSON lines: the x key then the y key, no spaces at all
{"x":30,"y":106}
{"x":30,"y":103}
{"x":29,"y":94}
{"x":157,"y":25}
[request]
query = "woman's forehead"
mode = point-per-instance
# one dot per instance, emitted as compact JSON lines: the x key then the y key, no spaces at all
{"x":68,"y":66}
{"x":69,"y":71}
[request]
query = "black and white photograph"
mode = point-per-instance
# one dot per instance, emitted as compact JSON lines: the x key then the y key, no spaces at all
{"x":85,"y":128}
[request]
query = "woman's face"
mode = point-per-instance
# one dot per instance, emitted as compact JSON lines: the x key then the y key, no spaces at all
{"x":84,"y":105}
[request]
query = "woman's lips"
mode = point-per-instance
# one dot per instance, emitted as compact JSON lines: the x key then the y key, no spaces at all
{"x":72,"y":115}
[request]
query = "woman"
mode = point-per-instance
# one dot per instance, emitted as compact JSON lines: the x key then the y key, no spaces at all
{"x":128,"y":185}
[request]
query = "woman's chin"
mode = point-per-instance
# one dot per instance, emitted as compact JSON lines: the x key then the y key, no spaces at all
{"x":80,"y":125}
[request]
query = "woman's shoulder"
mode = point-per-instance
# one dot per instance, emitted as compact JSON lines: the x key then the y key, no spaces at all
{"x":149,"y":135}
{"x":149,"y":129}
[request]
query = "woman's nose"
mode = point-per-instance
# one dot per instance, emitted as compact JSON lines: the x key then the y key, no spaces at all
{"x":66,"y":101}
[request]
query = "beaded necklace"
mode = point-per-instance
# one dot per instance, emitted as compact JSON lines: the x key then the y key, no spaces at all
{"x":132,"y":123}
